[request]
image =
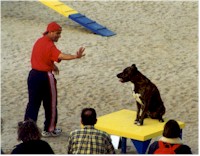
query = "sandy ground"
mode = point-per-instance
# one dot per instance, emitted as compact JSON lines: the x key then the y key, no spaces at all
{"x":161,"y":38}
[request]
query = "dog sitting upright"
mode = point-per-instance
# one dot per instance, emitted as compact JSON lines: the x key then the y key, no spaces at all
{"x":146,"y":94}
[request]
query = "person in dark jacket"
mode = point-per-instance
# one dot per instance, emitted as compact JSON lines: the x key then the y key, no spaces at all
{"x":30,"y":135}
{"x":171,"y":135}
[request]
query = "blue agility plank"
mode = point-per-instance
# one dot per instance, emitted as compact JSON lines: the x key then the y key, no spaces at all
{"x":91,"y":25}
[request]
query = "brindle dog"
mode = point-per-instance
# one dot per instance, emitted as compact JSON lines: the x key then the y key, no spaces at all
{"x":152,"y":105}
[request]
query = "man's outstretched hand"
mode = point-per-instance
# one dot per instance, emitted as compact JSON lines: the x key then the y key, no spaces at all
{"x":79,"y":53}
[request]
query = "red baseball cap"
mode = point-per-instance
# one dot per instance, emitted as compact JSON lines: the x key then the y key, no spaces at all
{"x":53,"y":26}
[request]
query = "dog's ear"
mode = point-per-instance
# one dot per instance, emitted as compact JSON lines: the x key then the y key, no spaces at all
{"x":134,"y":66}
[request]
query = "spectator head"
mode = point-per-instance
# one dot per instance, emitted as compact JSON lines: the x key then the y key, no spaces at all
{"x":88,"y":116}
{"x":171,"y":129}
{"x":28,"y":130}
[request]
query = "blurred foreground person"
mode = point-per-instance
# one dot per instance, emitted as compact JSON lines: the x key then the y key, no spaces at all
{"x":30,"y":135}
{"x":170,"y":142}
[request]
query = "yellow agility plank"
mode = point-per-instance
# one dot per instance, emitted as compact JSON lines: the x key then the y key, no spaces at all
{"x":74,"y":15}
{"x":59,"y":7}
{"x":121,"y":123}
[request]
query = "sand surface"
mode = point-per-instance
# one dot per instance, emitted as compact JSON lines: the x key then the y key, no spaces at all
{"x":161,"y":38}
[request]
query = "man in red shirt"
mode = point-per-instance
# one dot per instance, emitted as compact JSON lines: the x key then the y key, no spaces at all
{"x":41,"y":80}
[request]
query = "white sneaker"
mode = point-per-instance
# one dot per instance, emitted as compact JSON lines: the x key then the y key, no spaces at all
{"x":56,"y":132}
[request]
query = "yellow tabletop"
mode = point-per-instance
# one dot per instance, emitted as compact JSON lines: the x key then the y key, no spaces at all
{"x":121,"y":123}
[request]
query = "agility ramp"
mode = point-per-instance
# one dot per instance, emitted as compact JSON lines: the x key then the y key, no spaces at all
{"x":74,"y":15}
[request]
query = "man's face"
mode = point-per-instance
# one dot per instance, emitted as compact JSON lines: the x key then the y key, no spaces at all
{"x":55,"y":35}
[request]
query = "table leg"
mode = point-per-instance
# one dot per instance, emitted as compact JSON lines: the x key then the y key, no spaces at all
{"x":141,"y":146}
{"x":181,"y":134}
{"x":123,"y":145}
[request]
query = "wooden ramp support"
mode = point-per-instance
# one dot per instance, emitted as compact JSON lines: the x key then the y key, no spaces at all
{"x":74,"y":15}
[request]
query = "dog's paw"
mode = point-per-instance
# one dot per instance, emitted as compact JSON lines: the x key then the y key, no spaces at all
{"x":139,"y":124}
{"x":136,"y":121}
{"x":161,"y":120}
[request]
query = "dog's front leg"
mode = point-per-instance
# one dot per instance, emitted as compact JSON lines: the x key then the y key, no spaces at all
{"x":138,"y":113}
{"x":144,"y":113}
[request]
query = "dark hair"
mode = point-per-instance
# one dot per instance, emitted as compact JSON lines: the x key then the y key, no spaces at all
{"x":172,"y":129}
{"x":88,"y":116}
{"x":28,"y":130}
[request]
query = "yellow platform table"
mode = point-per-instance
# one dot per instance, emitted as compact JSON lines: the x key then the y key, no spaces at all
{"x":121,"y":123}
